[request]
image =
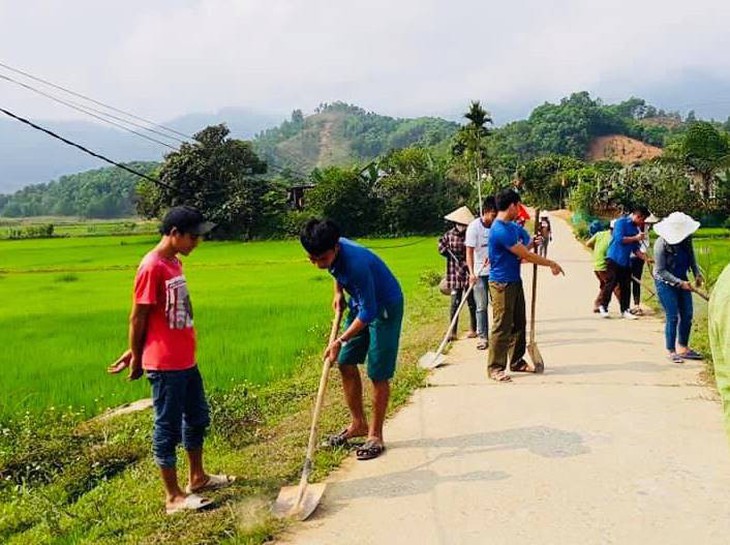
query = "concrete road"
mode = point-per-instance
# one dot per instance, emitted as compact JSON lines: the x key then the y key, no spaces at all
{"x":612,"y":445}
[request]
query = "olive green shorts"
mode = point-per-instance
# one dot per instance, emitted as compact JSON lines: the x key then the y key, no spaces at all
{"x":378,"y":342}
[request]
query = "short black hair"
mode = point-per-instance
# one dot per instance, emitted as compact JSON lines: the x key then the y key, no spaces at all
{"x":318,"y":236}
{"x":489,"y":204}
{"x":641,"y":210}
{"x":186,"y":219}
{"x":506,"y":198}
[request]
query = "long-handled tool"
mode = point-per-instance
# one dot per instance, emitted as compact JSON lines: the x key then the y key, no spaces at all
{"x":701,"y":293}
{"x":537,"y":362}
{"x":431,"y":360}
{"x":300,"y":501}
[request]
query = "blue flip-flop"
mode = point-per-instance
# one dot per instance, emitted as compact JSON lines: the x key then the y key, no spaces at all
{"x":691,"y":355}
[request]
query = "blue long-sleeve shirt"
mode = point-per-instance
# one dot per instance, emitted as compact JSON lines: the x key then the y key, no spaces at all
{"x":366,"y":278}
{"x":619,"y":251}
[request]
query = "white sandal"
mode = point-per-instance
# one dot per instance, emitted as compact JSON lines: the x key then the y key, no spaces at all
{"x":214,"y":482}
{"x":193,"y":502}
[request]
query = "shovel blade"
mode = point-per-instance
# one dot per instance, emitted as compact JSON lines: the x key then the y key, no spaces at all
{"x":431,"y":360}
{"x":286,"y":505}
{"x":536,"y":358}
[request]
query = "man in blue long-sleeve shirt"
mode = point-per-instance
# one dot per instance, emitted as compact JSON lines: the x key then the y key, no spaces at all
{"x":372,"y":329}
{"x":626,"y":240}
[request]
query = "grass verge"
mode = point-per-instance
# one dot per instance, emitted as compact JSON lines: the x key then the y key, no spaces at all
{"x":96,"y":483}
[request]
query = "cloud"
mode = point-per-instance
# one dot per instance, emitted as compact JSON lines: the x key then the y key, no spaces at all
{"x":411,"y":57}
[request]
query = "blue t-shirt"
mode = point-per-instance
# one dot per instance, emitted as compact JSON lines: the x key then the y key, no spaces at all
{"x":504,"y":266}
{"x":366,"y":278}
{"x":619,"y":252}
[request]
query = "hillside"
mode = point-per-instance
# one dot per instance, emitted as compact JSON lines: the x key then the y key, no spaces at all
{"x":625,"y":150}
{"x":30,"y":157}
{"x":341,"y":134}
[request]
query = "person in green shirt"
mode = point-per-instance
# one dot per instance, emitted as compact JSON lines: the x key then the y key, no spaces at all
{"x":599,"y":243}
{"x":719,"y":330}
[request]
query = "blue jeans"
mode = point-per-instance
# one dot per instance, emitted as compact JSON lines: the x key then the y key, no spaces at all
{"x":181,"y":413}
{"x":677,"y":305}
{"x":481,"y":295}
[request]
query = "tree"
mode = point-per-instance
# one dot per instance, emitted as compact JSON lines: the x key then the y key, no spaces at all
{"x":471,"y":143}
{"x":218,"y":175}
{"x":343,"y":195}
{"x":703,"y":151}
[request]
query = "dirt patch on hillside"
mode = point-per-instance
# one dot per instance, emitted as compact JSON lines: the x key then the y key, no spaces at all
{"x":623,"y":149}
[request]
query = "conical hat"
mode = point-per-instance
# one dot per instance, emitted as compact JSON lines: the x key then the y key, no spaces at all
{"x":651,"y":219}
{"x":676,"y":227}
{"x":461,"y":216}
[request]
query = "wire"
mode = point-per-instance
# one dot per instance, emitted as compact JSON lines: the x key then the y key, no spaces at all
{"x":79,"y":95}
{"x":83,"y":110}
{"x":86,"y":150}
{"x":86,"y":109}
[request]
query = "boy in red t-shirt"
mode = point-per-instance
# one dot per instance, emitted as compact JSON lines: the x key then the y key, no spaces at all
{"x":162,"y":343}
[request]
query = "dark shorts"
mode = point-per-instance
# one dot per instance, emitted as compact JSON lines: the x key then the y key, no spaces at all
{"x":378,"y":342}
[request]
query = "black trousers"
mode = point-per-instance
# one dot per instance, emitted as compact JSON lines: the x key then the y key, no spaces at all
{"x":637,"y":269}
{"x":616,"y":275}
{"x":470,"y":302}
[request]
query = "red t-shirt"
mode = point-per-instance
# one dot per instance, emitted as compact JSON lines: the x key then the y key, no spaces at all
{"x":170,"y":341}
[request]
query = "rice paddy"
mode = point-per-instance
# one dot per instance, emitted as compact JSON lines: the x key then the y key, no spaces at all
{"x":260,"y":309}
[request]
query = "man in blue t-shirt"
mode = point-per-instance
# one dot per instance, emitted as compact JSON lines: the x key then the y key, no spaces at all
{"x":372,"y":330}
{"x":625,"y":241}
{"x":508,"y":246}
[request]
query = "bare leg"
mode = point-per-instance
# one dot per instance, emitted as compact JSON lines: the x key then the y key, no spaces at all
{"x":196,"y":476}
{"x":173,"y":492}
{"x":381,"y":394}
{"x":352,"y":385}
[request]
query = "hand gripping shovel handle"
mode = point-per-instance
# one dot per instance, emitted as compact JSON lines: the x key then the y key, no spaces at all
{"x":308,"y":461}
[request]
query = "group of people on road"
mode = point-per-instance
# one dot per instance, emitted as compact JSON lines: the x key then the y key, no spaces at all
{"x":619,"y":254}
{"x":483,"y":257}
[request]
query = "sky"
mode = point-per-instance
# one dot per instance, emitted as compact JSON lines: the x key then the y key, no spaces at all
{"x":167,"y":58}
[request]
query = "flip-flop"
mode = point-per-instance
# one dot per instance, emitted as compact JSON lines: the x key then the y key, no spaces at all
{"x":193,"y":502}
{"x":522,"y":366}
{"x":691,"y":355}
{"x":369,"y":450}
{"x":337,"y":440}
{"x":675,"y":358}
{"x":214,"y":482}
{"x":500,"y":376}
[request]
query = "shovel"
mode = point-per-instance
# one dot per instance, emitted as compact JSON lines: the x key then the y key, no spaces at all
{"x":431,"y":360}
{"x":299,"y":502}
{"x":537,"y":362}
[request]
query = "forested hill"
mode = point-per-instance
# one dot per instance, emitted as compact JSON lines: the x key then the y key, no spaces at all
{"x":342,"y":134}
{"x":101,"y":193}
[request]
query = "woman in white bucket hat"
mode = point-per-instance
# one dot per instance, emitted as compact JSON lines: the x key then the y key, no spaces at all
{"x":674,"y":257}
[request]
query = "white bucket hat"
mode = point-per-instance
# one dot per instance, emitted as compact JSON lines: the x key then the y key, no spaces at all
{"x":676,"y":227}
{"x":462,"y":216}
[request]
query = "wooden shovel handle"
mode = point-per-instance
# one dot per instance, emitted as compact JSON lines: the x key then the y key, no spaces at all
{"x":307,"y":469}
{"x":534,"y":282}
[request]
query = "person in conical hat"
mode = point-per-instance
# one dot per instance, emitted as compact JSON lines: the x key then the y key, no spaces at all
{"x":674,"y":257}
{"x":453,"y":247}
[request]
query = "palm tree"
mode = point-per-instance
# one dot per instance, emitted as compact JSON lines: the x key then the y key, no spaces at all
{"x":471,"y":142}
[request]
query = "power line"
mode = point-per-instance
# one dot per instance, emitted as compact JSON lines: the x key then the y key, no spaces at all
{"x":83,"y":110}
{"x":86,"y":150}
{"x":79,"y":95}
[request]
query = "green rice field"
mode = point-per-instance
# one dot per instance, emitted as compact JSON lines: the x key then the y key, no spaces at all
{"x":260,"y":309}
